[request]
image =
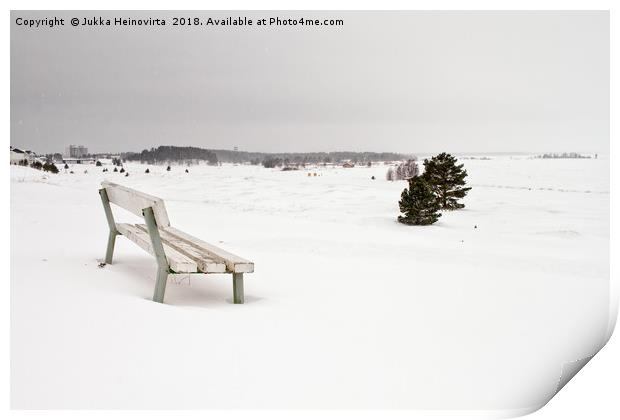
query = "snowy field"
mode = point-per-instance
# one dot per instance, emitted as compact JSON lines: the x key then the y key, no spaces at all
{"x":346,"y":308}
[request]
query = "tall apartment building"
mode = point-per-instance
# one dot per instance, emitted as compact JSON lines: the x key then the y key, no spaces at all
{"x":75,"y":151}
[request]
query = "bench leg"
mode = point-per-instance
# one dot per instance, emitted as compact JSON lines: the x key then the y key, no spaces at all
{"x":160,"y":285}
{"x":238,"y":287}
{"x":110,"y":251}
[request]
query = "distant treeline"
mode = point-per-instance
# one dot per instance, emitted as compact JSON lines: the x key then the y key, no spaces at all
{"x":571,"y":155}
{"x":306,"y":158}
{"x":164,"y":154}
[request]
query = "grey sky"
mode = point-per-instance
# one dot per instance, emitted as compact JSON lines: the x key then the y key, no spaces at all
{"x":385,"y":81}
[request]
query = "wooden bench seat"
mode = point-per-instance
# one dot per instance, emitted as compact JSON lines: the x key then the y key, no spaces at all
{"x":233,"y":263}
{"x":176,"y":252}
{"x":205,"y":263}
{"x":178,"y":262}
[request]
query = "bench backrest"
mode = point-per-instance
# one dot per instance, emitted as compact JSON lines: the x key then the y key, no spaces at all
{"x":134,"y":201}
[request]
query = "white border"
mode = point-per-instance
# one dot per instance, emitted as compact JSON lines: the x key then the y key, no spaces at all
{"x":592,"y":394}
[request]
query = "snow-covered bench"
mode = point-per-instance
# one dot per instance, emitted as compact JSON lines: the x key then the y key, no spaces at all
{"x":176,"y":252}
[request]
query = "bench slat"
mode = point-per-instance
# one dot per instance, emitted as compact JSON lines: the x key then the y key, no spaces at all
{"x":204,"y":261}
{"x":135,"y":201}
{"x":178,"y":262}
{"x":234,"y":263}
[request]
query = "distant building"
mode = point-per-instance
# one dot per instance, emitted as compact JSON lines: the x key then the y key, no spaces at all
{"x":75,"y":151}
{"x":18,"y":155}
{"x":79,"y":161}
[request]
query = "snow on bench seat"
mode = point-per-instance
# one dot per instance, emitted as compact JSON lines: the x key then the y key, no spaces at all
{"x":234,"y":263}
{"x":205,"y":262}
{"x":178,"y":262}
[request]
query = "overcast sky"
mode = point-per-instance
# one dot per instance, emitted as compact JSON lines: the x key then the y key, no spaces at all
{"x":385,"y":81}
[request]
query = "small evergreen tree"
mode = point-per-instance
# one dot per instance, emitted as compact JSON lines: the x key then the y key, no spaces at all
{"x":50,"y":167}
{"x":147,"y":171}
{"x":418,"y":203}
{"x":115,"y":169}
{"x":446,"y":179}
{"x":168,"y":168}
{"x":98,"y":163}
{"x":122,"y":170}
{"x":66,"y":166}
{"x":186,"y":171}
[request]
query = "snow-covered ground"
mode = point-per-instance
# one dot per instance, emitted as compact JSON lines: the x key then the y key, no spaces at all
{"x":346,"y":309}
